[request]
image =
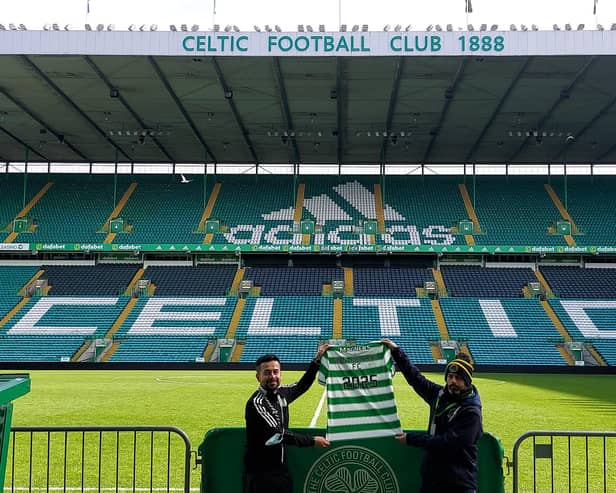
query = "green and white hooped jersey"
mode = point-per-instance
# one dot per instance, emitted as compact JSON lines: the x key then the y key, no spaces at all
{"x":360,"y":394}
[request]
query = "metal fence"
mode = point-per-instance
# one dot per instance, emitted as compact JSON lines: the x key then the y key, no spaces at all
{"x":565,"y":462}
{"x":98,"y":458}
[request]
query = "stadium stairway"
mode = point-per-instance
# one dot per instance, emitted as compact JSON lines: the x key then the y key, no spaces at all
{"x":563,"y":212}
{"x":237,"y":279}
{"x":337,"y":319}
{"x":378,"y":207}
{"x":544,"y":283}
{"x":121,"y":318}
{"x":11,"y":313}
{"x":24,"y":212}
{"x":440,"y":282}
{"x":235,"y":318}
{"x":348,"y":281}
{"x":470,"y":211}
{"x":207,"y":213}
{"x":116,"y":212}
{"x":299,"y":208}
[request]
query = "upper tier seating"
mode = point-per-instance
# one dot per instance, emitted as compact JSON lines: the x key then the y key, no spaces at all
{"x":389,"y":281}
{"x":203,"y":280}
{"x":503,"y":332}
{"x":13,"y":278}
{"x":515,"y":211}
{"x":96,"y":280}
{"x":575,"y":282}
{"x":408,"y":321}
{"x":591,"y":203}
{"x":12,"y":193}
{"x":293,"y":281}
{"x":290,"y":327}
{"x":472,"y":281}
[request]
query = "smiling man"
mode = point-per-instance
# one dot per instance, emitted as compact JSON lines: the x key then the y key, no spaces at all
{"x":267,"y":422}
{"x":455,"y":426}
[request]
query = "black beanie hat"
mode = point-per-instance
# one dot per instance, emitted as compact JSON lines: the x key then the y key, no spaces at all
{"x":462,"y":368}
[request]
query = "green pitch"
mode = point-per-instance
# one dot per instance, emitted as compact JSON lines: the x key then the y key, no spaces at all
{"x":197,"y":401}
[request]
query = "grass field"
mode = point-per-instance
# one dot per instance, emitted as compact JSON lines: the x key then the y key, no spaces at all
{"x":197,"y":401}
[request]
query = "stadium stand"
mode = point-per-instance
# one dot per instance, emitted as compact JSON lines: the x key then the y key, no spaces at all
{"x":503,"y":332}
{"x":515,"y":211}
{"x":289,"y":327}
{"x":98,"y":280}
{"x":210,"y":280}
{"x":576,"y":282}
{"x":14,"y":278}
{"x":476,"y":282}
{"x":392,"y":281}
{"x":293,"y":281}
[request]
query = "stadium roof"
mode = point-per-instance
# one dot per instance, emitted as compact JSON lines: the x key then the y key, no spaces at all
{"x":160,"y":105}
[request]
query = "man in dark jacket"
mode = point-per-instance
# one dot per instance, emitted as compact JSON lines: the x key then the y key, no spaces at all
{"x":450,"y":444}
{"x":267,"y":422}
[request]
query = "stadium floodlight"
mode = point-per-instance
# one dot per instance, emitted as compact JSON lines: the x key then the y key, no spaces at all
{"x":429,"y":27}
{"x":581,"y":27}
{"x":267,"y":28}
{"x":449,"y":27}
{"x":111,"y":27}
{"x":613,"y":27}
{"x":494,"y":27}
{"x":68,"y":27}
{"x":99,"y":27}
{"x":12,"y":27}
{"x":88,"y":27}
{"x":321,"y":28}
{"x":216,"y":28}
{"x":343,"y":28}
{"x":397,"y":28}
{"x":535,"y":27}
{"x":364,"y":28}
{"x":173,"y":28}
{"x":438,"y":27}
{"x":524,"y":27}
{"x":309,"y":28}
{"x":512,"y":27}
{"x":132,"y":27}
{"x":300,"y":28}
{"x":277,"y":28}
{"x":194,"y":28}
{"x":355,"y":28}
{"x":483,"y":27}
{"x":257,"y":28}
{"x":567,"y":27}
{"x":236,"y":29}
{"x":154,"y":27}
{"x":408,"y":28}
{"x":22,"y":27}
{"x":556,"y":27}
{"x":600,"y":27}
{"x":2,"y":28}
{"x":46,"y":27}
{"x":386,"y":27}
{"x":228,"y":28}
{"x":184,"y":28}
{"x":143,"y":28}
{"x":470,"y":27}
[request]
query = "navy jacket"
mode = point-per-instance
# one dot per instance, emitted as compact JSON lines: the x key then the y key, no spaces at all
{"x":267,"y":413}
{"x":450,"y":462}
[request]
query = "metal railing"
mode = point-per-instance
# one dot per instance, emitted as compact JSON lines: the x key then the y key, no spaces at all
{"x":98,"y":458}
{"x":565,"y":462}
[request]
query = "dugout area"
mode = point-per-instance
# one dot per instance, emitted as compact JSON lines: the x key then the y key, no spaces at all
{"x":382,"y":463}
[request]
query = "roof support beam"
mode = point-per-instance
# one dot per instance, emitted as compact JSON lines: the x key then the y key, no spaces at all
{"x":236,"y":114}
{"x":449,"y":94}
{"x":181,"y":107}
{"x":393,"y":101}
{"x":128,"y":107}
{"x":22,"y":143}
{"x":470,"y":156}
{"x":42,"y":123}
{"x":284,"y":102}
{"x":72,"y":104}
{"x":339,"y":109}
{"x":564,"y":95}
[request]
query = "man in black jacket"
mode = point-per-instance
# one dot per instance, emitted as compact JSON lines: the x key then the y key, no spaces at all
{"x":450,"y":444}
{"x":267,"y":422}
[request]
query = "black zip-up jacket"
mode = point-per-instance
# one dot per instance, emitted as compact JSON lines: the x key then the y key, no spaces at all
{"x":450,"y":462}
{"x":267,"y":413}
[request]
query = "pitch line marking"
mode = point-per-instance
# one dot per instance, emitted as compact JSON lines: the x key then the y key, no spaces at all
{"x":317,"y":412}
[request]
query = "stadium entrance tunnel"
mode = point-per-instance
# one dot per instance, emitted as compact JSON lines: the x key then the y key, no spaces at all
{"x":382,"y":461}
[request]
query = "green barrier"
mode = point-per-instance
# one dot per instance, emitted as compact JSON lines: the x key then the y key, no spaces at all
{"x":11,"y":387}
{"x":387,"y":465}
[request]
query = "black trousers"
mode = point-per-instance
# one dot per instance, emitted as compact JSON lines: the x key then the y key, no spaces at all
{"x":278,"y":481}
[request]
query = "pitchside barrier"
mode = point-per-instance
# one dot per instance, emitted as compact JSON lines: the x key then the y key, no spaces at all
{"x":377,"y":464}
